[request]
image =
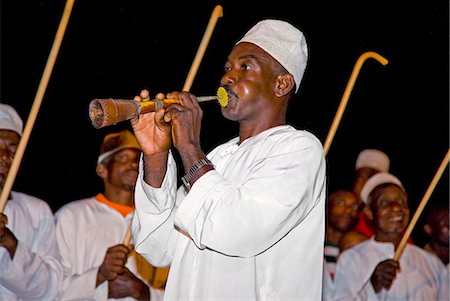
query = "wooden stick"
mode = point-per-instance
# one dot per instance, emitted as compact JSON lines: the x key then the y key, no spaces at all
{"x":348,"y":89}
{"x":36,"y":104}
{"x":127,"y":238}
{"x":422,"y":204}
{"x":216,"y":14}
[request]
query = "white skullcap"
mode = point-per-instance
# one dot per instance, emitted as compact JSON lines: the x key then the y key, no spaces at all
{"x":114,"y":142}
{"x":377,"y":180}
{"x":9,"y":119}
{"x":283,"y":42}
{"x":374,"y":159}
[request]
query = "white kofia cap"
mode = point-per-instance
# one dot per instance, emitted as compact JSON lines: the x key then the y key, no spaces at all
{"x":283,"y":42}
{"x":373,"y":158}
{"x":377,"y":180}
{"x":10,"y":119}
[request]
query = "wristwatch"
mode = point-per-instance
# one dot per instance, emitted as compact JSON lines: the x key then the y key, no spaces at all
{"x":186,"y":179}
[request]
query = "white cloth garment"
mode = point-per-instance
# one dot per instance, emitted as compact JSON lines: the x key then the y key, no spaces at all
{"x":35,"y":272}
{"x":445,"y":294}
{"x":253,"y":227}
{"x":85,"y":229}
{"x":421,"y":276}
{"x":327,"y":286}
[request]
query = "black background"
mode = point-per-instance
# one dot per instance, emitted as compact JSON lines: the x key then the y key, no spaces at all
{"x":116,"y":48}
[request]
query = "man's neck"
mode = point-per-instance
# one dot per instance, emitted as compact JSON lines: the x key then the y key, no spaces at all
{"x":247,"y":130}
{"x":119,"y":196}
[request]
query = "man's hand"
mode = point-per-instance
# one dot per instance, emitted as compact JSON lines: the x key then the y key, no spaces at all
{"x":384,"y":275}
{"x":152,"y":132}
{"x":185,"y":119}
{"x":7,"y":238}
{"x":113,"y":264}
{"x":127,"y":284}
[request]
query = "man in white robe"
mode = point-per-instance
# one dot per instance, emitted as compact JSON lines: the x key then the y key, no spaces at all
{"x":29,"y":266}
{"x":249,"y":222}
{"x":97,"y":260}
{"x":367,"y":271}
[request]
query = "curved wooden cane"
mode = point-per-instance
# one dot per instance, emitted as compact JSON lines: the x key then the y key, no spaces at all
{"x":348,"y":90}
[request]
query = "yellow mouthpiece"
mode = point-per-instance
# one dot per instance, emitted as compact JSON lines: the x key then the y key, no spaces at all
{"x":223,"y":96}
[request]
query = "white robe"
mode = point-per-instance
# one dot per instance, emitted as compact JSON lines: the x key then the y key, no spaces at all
{"x":421,"y":276}
{"x":256,"y":222}
{"x":35,"y":272}
{"x":85,"y":230}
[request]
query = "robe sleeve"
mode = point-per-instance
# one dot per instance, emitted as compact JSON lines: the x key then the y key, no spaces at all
{"x":35,"y":272}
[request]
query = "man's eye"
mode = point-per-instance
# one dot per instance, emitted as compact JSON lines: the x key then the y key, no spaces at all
{"x":245,"y":67}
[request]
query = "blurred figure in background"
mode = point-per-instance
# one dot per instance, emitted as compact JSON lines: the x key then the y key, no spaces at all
{"x":436,"y":230}
{"x":368,"y":163}
{"x":342,"y":216}
{"x":367,"y":270}
{"x":98,"y":264}
{"x":29,"y":268}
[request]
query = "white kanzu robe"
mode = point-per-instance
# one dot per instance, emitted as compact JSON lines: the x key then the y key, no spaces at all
{"x":421,"y":277}
{"x":85,"y":229}
{"x":252,"y":229}
{"x":35,"y":272}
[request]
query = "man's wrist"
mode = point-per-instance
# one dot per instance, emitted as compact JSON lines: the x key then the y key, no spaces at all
{"x":190,"y":176}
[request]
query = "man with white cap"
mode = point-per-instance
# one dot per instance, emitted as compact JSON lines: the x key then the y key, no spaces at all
{"x":248,"y":223}
{"x":369,"y":162}
{"x":368,"y":272}
{"x":98,"y":264}
{"x":30,"y":269}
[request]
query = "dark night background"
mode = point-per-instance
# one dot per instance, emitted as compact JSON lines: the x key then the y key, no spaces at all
{"x":116,"y":48}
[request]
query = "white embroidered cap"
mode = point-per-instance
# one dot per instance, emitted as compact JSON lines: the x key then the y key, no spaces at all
{"x":373,"y":158}
{"x":10,"y":119}
{"x":114,"y":142}
{"x":283,"y":42}
{"x":377,"y":180}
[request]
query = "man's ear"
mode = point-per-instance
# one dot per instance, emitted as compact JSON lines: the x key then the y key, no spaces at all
{"x":101,"y":170}
{"x":427,"y":229}
{"x":284,"y":84}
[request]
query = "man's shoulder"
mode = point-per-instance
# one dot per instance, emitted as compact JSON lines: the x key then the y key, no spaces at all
{"x":29,"y":203}
{"x":75,"y":206}
{"x":291,"y":137}
{"x":427,"y":255}
{"x":32,"y":201}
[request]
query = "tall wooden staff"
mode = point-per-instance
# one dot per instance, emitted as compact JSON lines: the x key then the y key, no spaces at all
{"x":216,"y":14}
{"x":36,"y":104}
{"x":348,"y":89}
{"x":422,"y":204}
